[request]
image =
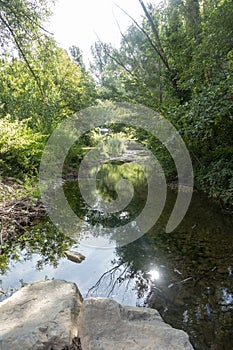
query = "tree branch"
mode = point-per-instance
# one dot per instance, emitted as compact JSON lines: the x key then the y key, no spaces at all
{"x":118,"y":25}
{"x":24,"y":14}
{"x":156,"y":49}
{"x":153,"y":26}
{"x":23,"y":54}
{"x":131,"y":52}
{"x":114,"y":58}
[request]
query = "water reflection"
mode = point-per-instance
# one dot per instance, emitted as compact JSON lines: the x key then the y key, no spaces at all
{"x":190,"y":286}
{"x":43,"y":239}
{"x":154,"y":275}
{"x":121,"y":223}
{"x":186,"y":274}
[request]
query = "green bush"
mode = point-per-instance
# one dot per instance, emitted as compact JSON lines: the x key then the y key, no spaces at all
{"x":20,"y":148}
{"x":217,"y":179}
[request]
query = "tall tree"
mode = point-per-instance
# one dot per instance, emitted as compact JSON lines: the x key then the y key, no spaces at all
{"x":77,"y":56}
{"x":66,"y":89}
{"x":21,"y":25}
{"x":179,"y":60}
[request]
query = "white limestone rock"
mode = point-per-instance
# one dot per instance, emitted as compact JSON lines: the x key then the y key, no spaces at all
{"x":42,"y":315}
{"x":48,"y":315}
{"x":104,"y":324}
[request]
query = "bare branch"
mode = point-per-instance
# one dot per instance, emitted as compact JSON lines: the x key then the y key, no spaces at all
{"x":112,"y":270}
{"x":117,"y":60}
{"x":156,"y":49}
{"x":129,"y":49}
{"x":151,"y":21}
{"x":118,"y":25}
{"x":116,"y":280}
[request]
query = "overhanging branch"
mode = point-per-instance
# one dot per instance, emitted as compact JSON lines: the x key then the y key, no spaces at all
{"x":156,"y":49}
{"x":4,"y":21}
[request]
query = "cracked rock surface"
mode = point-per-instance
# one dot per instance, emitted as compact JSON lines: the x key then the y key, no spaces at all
{"x":52,"y":315}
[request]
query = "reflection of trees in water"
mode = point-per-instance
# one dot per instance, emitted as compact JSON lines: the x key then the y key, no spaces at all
{"x":194,"y":290}
{"x":108,"y":177}
{"x":44,"y":239}
{"x":110,"y":174}
{"x":96,"y":219}
{"x":128,"y":271}
{"x":50,"y":243}
{"x":197,"y":304}
{"x":110,"y":279}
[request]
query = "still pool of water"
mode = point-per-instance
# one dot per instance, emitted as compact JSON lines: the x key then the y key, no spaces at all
{"x":187,"y":274}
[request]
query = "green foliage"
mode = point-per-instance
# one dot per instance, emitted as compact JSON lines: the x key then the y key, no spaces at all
{"x":21,"y":22}
{"x":179,"y":61}
{"x":20,"y":148}
{"x":206,"y":121}
{"x":66,"y":88}
{"x":206,"y":124}
{"x":217,"y":179}
{"x":117,"y":70}
{"x":113,"y":145}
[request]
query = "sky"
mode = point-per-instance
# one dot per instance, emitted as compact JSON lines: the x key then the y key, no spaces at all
{"x":81,"y":22}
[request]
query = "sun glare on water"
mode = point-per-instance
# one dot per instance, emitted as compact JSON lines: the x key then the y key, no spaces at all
{"x":154,"y":275}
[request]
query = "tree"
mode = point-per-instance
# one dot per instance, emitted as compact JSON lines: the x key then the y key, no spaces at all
{"x":66,"y":89}
{"x":117,"y":71}
{"x":77,"y":56}
{"x":21,"y":26}
{"x":21,"y":22}
{"x":179,"y":60}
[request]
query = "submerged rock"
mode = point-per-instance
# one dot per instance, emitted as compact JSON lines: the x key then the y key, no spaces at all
{"x":52,"y":315}
{"x":74,"y":256}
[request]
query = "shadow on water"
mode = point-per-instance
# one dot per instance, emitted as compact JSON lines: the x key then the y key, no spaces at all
{"x":186,"y":275}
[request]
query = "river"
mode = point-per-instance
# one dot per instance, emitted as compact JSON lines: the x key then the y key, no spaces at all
{"x":187,"y":274}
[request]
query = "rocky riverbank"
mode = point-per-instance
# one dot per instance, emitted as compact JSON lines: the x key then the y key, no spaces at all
{"x":52,"y":315}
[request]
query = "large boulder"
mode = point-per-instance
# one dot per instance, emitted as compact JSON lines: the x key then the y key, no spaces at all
{"x":40,"y":316}
{"x":51,"y":315}
{"x":104,"y":324}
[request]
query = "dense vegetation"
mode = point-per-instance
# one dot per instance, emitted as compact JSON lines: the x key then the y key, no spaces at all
{"x":178,"y":61}
{"x":40,"y":85}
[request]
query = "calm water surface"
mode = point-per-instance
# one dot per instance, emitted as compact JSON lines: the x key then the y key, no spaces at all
{"x":187,"y":274}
